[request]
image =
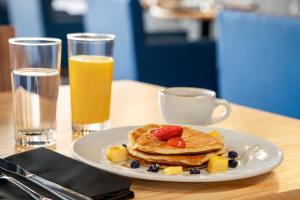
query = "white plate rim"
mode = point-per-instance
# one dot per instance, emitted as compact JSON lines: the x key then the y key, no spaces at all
{"x":174,"y":178}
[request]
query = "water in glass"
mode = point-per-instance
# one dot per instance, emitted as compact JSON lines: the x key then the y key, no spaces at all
{"x":35,"y":92}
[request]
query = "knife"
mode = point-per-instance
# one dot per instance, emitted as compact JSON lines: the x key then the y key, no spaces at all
{"x":58,"y":190}
{"x":23,"y":187}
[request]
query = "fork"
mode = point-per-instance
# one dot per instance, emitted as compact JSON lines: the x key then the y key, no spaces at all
{"x":20,"y":185}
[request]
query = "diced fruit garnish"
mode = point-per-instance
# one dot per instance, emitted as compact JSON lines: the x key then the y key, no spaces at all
{"x":153,"y":168}
{"x":217,"y":164}
{"x":166,"y":132}
{"x":194,"y":170}
{"x":176,"y":142}
{"x":173,"y":170}
{"x":232,"y":154}
{"x":134,"y":164}
{"x":117,"y":153}
{"x":216,"y":134}
{"x":232,"y":163}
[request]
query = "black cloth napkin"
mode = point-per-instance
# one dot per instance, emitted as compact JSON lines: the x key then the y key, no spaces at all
{"x":67,"y":172}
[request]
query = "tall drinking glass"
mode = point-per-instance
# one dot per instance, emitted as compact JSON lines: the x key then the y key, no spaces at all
{"x":91,"y":72}
{"x":35,"y":64}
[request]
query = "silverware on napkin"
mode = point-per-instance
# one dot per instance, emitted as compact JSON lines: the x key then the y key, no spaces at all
{"x":58,"y":190}
{"x":23,"y":187}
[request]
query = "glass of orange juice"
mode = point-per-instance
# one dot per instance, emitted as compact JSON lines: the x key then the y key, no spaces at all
{"x":90,"y":71}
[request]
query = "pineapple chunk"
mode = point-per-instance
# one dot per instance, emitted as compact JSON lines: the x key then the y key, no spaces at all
{"x":216,"y":134}
{"x":173,"y":170}
{"x":117,"y":153}
{"x":217,"y":164}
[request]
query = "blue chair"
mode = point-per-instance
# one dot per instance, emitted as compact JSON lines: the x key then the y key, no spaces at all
{"x":59,"y":24}
{"x":163,"y":60}
{"x":259,"y":61}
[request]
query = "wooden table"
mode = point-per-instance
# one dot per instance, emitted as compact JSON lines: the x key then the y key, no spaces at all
{"x":204,"y":17}
{"x":136,"y":103}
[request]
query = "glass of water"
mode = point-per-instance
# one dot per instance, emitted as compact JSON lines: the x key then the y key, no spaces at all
{"x":35,"y":64}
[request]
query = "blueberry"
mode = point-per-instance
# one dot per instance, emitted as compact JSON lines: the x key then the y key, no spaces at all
{"x":134,"y":164}
{"x":124,"y":145}
{"x":232,"y":163}
{"x":153,"y":168}
{"x":194,"y":171}
{"x":232,"y":154}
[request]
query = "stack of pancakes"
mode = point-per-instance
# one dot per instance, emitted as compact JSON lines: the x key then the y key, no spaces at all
{"x":199,"y":147}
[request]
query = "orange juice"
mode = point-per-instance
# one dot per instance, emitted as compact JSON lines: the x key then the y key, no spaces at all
{"x":90,"y":81}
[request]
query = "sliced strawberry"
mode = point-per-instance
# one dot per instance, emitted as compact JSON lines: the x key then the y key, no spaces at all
{"x":176,"y":142}
{"x":166,"y":132}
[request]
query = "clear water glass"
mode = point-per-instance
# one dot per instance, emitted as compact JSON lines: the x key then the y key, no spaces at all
{"x":35,"y":64}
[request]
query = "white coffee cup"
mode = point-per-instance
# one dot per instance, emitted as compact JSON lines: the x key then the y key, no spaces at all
{"x":186,"y":105}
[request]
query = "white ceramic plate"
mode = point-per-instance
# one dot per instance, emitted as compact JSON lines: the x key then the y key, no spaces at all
{"x":258,"y":156}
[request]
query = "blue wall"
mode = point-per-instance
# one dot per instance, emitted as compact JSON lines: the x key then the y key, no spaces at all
{"x":26,"y":16}
{"x":124,"y":46}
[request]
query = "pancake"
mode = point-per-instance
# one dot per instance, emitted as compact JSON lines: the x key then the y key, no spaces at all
{"x":164,"y":165}
{"x":182,"y":160}
{"x":196,"y":142}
